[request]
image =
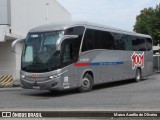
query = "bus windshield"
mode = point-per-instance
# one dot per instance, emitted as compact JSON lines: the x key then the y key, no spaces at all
{"x":39,"y":54}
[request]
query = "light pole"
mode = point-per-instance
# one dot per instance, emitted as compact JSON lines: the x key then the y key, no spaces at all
{"x":47,"y":5}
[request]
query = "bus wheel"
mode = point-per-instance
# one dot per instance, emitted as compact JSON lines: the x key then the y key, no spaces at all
{"x":87,"y":83}
{"x":138,"y":75}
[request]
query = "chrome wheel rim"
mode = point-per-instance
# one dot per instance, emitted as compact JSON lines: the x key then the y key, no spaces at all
{"x":86,"y":83}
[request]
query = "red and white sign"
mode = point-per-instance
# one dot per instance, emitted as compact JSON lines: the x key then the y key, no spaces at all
{"x":137,"y":60}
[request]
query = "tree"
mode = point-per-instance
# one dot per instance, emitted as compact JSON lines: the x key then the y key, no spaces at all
{"x":148,"y":22}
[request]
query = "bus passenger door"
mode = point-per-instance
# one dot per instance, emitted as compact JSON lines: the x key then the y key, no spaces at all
{"x":68,"y":59}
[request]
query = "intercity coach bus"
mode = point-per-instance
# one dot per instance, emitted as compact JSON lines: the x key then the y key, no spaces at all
{"x":80,"y":55}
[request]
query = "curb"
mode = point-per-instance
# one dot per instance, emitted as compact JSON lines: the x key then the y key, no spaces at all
{"x":10,"y":88}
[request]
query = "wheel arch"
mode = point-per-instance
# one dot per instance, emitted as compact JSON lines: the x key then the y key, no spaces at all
{"x":90,"y":72}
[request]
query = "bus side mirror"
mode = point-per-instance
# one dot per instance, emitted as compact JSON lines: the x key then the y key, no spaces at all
{"x":61,"y":39}
{"x":14,"y":44}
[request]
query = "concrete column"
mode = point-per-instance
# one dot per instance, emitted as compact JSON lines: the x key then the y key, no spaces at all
{"x":18,"y":53}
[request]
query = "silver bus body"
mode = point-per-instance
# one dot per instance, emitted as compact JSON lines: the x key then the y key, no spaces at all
{"x":104,"y":65}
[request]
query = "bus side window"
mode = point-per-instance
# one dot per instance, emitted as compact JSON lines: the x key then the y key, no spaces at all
{"x":138,"y":44}
{"x":88,"y":40}
{"x":103,"y":40}
{"x":127,"y":42}
{"x":67,"y":55}
{"x":119,"y":41}
{"x":149,"y":44}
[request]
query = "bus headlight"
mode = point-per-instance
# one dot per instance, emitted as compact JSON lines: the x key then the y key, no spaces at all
{"x":57,"y":75}
{"x":54,"y":76}
{"x":22,"y":76}
{"x":51,"y":77}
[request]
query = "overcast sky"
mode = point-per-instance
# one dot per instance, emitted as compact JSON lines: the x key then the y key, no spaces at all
{"x":116,"y":13}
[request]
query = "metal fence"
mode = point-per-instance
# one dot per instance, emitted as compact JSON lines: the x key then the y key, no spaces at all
{"x":156,"y":62}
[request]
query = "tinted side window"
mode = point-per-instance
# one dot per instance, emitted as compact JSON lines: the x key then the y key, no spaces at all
{"x":103,"y":40}
{"x":149,"y":44}
{"x":74,"y":30}
{"x":127,"y":42}
{"x":88,"y":40}
{"x":69,"y":51}
{"x":107,"y":41}
{"x":67,"y":56}
{"x":119,"y":41}
{"x":97,"y":42}
{"x":96,"y":39}
{"x":79,"y":30}
{"x":138,"y":44}
{"x":122,"y":42}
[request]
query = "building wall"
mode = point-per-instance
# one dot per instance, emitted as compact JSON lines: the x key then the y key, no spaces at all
{"x":26,"y":14}
{"x":5,"y":12}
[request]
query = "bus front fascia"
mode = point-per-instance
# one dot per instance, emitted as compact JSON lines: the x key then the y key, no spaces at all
{"x":14,"y":44}
{"x":61,"y":39}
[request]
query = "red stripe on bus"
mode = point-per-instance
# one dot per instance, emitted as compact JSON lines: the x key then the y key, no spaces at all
{"x":81,"y":64}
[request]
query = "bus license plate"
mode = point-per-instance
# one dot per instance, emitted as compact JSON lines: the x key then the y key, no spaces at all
{"x":36,"y":87}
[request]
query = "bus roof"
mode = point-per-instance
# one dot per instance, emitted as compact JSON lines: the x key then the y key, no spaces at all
{"x":64,"y":25}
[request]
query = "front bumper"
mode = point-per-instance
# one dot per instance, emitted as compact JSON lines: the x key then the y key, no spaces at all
{"x":51,"y":84}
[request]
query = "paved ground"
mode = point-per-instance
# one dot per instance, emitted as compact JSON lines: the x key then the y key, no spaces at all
{"x":124,"y":95}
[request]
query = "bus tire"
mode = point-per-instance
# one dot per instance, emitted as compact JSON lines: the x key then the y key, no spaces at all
{"x":138,"y":75}
{"x":87,"y":83}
